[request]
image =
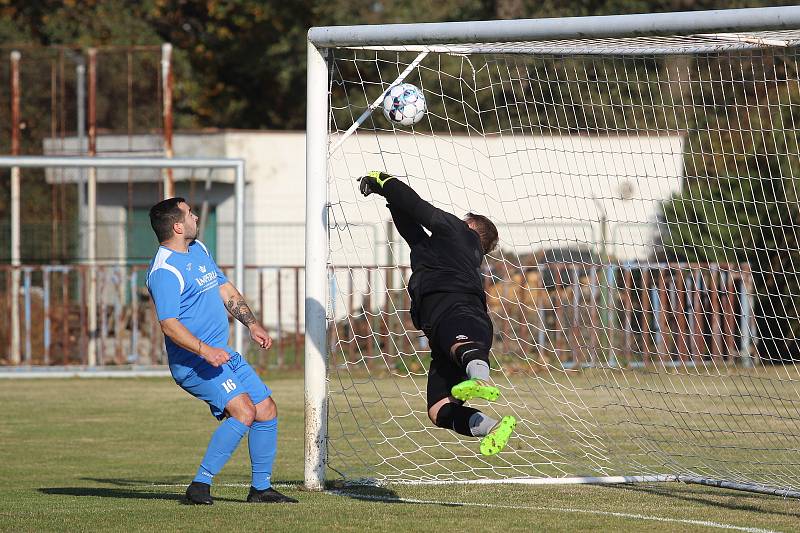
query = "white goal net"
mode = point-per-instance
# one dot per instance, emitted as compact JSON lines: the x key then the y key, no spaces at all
{"x":645,"y":290}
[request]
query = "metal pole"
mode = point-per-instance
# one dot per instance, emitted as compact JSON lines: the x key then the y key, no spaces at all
{"x":133,"y":353}
{"x":316,"y":389}
{"x":116,"y":162}
{"x":745,"y":297}
{"x":80,"y":97}
{"x":91,"y":199}
{"x":238,"y":332}
{"x":166,"y":76}
{"x":689,"y":22}
{"x":16,"y":256}
{"x":604,"y":260}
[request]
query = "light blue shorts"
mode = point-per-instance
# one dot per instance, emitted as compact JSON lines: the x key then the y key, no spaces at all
{"x":218,"y":385}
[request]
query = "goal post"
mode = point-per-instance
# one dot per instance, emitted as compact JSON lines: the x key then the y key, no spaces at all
{"x":316,"y":278}
{"x":642,"y":172}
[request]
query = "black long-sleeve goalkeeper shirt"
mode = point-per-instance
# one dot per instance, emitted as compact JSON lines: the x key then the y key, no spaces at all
{"x":445,"y":264}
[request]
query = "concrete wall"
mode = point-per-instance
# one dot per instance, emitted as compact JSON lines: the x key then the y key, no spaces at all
{"x":542,"y":192}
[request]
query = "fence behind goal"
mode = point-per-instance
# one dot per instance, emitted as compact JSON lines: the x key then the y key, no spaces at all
{"x":648,"y":325}
{"x":54,"y":326}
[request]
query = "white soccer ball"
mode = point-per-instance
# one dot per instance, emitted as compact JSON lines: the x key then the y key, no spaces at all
{"x":404,"y":104}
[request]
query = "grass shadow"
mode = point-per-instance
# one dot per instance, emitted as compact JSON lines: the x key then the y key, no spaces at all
{"x":688,"y":493}
{"x":122,"y":493}
{"x":176,"y":481}
{"x":110,"y":493}
{"x":183,"y":482}
{"x":377,"y":494}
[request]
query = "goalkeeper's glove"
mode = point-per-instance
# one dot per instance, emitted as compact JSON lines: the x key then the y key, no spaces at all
{"x":373,"y":182}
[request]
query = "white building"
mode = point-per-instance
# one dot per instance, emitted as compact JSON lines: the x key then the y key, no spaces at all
{"x":543,"y":192}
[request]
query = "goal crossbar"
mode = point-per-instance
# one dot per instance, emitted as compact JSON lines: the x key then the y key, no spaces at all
{"x":761,"y":18}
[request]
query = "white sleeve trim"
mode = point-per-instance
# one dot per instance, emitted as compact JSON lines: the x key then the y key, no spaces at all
{"x":203,"y":246}
{"x":161,"y":262}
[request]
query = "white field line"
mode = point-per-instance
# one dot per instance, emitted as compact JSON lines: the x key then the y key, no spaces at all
{"x":184,"y":485}
{"x":547,"y":480}
{"x":78,"y":373}
{"x":704,"y":523}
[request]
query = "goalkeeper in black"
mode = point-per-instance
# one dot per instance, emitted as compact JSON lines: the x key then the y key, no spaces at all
{"x":448,"y":304}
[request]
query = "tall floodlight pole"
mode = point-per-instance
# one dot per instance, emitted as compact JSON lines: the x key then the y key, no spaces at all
{"x":166,"y":81}
{"x":238,"y":255}
{"x":316,"y":389}
{"x":80,"y":104}
{"x":16,"y":256}
{"x":91,"y":215}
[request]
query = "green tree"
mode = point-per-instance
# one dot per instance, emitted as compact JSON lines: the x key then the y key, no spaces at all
{"x":740,"y":201}
{"x":241,"y":64}
{"x":50,"y":35}
{"x":247,"y":59}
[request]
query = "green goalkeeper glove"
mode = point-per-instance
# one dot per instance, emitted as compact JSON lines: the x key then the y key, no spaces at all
{"x":373,"y":182}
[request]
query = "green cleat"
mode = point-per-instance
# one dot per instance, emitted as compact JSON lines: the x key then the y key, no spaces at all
{"x":474,"y":388}
{"x":496,"y":440}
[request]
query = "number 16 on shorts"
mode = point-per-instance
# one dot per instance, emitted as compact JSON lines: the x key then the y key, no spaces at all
{"x":228,"y":385}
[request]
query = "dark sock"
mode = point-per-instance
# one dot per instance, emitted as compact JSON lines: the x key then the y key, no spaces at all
{"x":456,"y":417}
{"x":466,"y":355}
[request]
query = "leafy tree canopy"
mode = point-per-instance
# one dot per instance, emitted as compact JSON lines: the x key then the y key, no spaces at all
{"x":241,"y":63}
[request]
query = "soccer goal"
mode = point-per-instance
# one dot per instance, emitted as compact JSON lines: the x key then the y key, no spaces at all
{"x":643,"y":173}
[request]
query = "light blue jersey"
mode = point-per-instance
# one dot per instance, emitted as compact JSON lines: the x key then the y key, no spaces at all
{"x":186,"y":286}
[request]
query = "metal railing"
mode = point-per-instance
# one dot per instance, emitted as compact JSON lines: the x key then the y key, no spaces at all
{"x":628,"y":315}
{"x":569,"y":314}
{"x":55,"y":316}
{"x":566,"y":314}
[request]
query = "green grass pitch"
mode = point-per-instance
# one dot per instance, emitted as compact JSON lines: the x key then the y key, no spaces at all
{"x":116,"y":454}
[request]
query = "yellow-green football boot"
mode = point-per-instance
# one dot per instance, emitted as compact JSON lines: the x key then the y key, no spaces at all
{"x":475,"y":388}
{"x":494,"y":442}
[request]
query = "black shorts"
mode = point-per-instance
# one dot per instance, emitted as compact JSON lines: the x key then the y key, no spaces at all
{"x":462,"y":323}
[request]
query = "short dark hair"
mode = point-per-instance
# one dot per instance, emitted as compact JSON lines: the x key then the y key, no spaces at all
{"x":163,"y":215}
{"x":486,"y":230}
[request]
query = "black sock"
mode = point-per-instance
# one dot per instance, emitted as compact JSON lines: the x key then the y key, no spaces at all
{"x":461,"y":418}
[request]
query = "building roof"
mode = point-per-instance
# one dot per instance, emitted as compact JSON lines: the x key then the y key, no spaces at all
{"x":141,"y":145}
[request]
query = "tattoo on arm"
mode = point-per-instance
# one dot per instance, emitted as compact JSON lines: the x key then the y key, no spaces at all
{"x":240,"y":311}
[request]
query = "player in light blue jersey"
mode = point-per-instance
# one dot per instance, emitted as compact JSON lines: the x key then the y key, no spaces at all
{"x":193,"y":298}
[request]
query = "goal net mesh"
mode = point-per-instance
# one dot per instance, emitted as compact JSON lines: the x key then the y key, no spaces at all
{"x":645,"y":290}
